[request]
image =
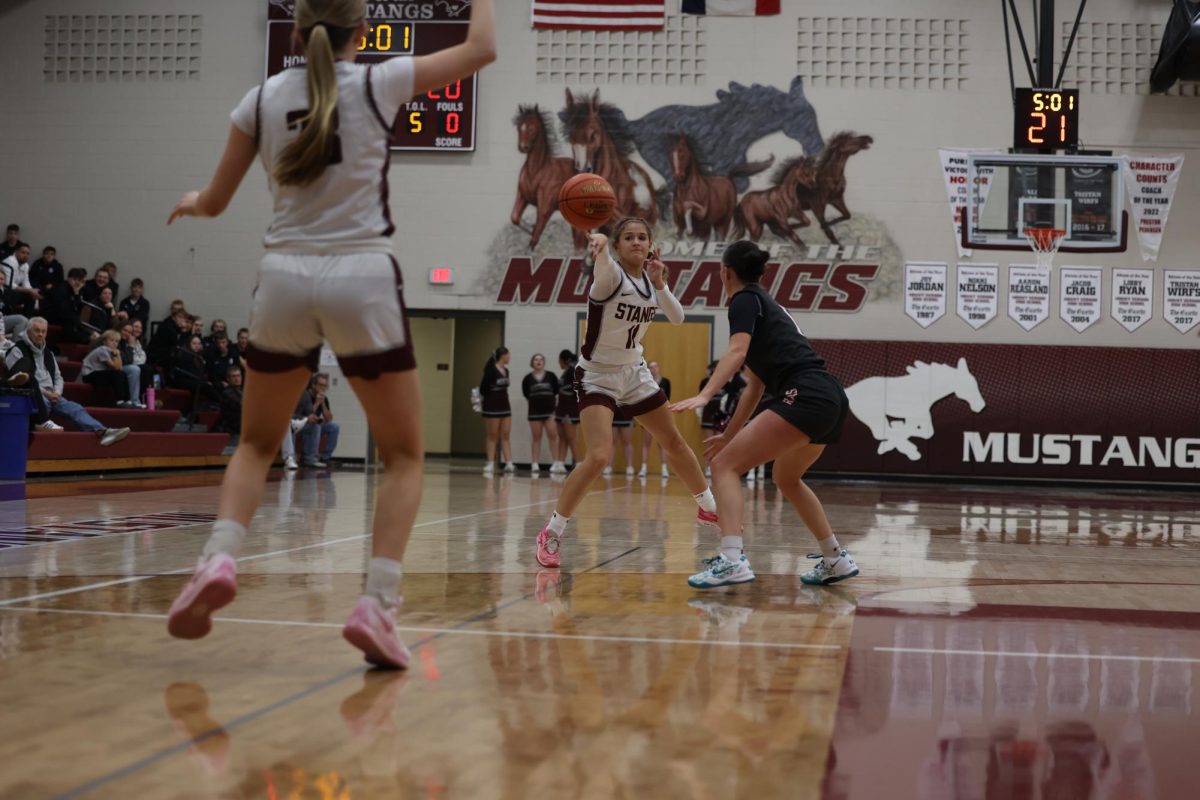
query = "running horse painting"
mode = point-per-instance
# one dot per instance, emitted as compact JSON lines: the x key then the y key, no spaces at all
{"x":702,"y":203}
{"x":829,"y":186}
{"x":601,"y":143}
{"x":776,"y":207}
{"x":542,"y":174}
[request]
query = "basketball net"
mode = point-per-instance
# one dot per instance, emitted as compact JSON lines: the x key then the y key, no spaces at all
{"x":1044,"y":242}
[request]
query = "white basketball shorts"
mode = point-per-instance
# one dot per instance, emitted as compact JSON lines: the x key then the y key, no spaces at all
{"x":630,"y":388}
{"x":354,"y":301}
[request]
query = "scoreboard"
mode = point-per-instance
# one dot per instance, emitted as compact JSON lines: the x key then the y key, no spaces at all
{"x":442,"y":120}
{"x":1046,"y":119}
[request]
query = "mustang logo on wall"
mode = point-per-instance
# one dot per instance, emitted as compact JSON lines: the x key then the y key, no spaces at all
{"x":687,"y":170}
{"x":899,"y":409}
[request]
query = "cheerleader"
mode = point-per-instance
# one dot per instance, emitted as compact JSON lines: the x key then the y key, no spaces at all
{"x":497,"y":412}
{"x":541,"y":393}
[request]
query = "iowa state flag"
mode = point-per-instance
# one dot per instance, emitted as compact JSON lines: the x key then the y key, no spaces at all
{"x":600,"y":15}
{"x":731,"y":8}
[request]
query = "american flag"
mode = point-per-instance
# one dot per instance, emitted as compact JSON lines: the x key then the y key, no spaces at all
{"x":600,"y":15}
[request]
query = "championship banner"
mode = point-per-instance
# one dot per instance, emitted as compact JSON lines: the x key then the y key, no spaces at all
{"x":925,"y":292}
{"x":1079,"y":291}
{"x":1181,"y":299}
{"x":978,"y":296}
{"x":954,"y":169}
{"x":1028,"y":295}
{"x":1132,"y":297}
{"x":1152,"y":181}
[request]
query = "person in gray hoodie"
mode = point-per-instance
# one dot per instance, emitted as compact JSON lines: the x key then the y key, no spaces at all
{"x":31,"y":355}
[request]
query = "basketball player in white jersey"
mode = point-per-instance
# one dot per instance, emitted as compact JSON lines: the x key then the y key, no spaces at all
{"x":628,"y":289}
{"x":329,"y":274}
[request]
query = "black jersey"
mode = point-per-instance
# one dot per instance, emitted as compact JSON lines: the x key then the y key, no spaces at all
{"x":494,"y":388}
{"x":778,"y":349}
{"x":541,"y":394}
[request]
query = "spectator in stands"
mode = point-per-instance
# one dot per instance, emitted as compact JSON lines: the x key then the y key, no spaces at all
{"x":12,"y":240}
{"x":103,"y":368}
{"x":139,"y":330}
{"x":13,"y":323}
{"x":173,"y":332}
{"x":101,"y":279}
{"x":98,"y":314}
{"x":22,"y":295}
{"x":231,"y":404}
{"x":14,"y":378}
{"x":218,"y":326}
{"x":314,"y":408}
{"x":31,"y":355}
{"x":219,"y":359}
{"x":46,"y":272}
{"x":64,"y":305}
{"x":242,"y":347}
{"x":138,"y":373}
{"x":188,"y":371}
{"x":197,"y":328}
{"x":136,"y":306}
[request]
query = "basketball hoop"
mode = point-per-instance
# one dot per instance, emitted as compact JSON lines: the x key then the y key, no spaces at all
{"x":1044,"y":242}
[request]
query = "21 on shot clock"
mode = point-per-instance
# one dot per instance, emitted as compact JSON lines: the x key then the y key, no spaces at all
{"x":1046,"y":119}
{"x":442,"y":120}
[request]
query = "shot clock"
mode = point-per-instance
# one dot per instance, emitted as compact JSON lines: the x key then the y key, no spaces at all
{"x":442,"y":120}
{"x":1046,"y":119}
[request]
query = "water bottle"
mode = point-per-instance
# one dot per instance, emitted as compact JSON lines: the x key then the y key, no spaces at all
{"x":152,"y":393}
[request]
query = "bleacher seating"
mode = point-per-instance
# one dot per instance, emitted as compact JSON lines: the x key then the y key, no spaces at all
{"x":152,"y":442}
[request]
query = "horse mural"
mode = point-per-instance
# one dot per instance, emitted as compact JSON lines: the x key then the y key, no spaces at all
{"x":542,"y":174}
{"x":899,"y":409}
{"x":601,"y":143}
{"x":702,"y":203}
{"x":775,"y":208}
{"x":741,"y":116}
{"x":829,"y":186}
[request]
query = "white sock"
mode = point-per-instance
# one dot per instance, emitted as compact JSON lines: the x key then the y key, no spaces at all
{"x":830,"y":549}
{"x":706,"y":501}
{"x":227,"y":537}
{"x":557,"y":523}
{"x":731,"y":547}
{"x":383,"y":580}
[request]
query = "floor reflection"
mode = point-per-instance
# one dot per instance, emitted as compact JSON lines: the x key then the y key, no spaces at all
{"x":1002,"y":703}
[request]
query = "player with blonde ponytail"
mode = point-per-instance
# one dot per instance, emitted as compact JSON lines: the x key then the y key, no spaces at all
{"x":329,"y":275}
{"x":323,"y":28}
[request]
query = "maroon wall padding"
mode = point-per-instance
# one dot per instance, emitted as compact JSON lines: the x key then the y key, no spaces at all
{"x":142,"y":421}
{"x":1032,"y":389}
{"x":66,"y":445}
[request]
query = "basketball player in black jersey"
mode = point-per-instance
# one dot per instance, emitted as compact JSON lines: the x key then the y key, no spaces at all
{"x":808,"y":413}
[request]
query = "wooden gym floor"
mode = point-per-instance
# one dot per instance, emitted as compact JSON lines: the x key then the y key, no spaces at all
{"x":1002,"y":642}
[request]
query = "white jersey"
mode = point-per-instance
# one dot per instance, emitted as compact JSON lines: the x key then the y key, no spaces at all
{"x":616,"y":324}
{"x":346,"y":209}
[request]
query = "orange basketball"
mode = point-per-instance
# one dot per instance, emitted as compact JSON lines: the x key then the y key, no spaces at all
{"x":586,"y":201}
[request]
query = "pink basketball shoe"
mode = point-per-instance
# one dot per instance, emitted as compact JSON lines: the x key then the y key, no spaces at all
{"x":707,"y":518}
{"x":547,"y":548}
{"x":213,"y":586}
{"x":372,"y":629}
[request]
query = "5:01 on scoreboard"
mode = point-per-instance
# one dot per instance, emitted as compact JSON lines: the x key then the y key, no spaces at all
{"x":1046,"y":119}
{"x":442,"y":120}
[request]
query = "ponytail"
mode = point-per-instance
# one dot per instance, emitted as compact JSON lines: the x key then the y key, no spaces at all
{"x":495,"y":356}
{"x":304,"y":160}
